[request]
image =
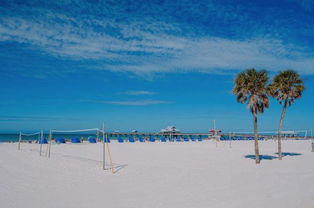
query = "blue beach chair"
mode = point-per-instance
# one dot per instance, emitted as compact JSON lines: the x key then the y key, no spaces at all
{"x":163,"y":139}
{"x":75,"y":140}
{"x":171,"y":139}
{"x":186,"y":139}
{"x":141,"y":139}
{"x":120,"y":140}
{"x":92,"y":139}
{"x":199,"y":139}
{"x":178,"y":139}
{"x":152,"y":139}
{"x":60,"y":140}
{"x":131,"y":139}
{"x":43,"y":141}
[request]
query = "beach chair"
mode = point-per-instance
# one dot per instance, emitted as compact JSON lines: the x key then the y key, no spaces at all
{"x":75,"y":140}
{"x":193,"y":139}
{"x":152,"y":139}
{"x":43,"y":141}
{"x":131,"y":139}
{"x":163,"y":139}
{"x":60,"y":140}
{"x":92,"y":139}
{"x":120,"y":140}
{"x":141,"y":139}
{"x":199,"y":139}
{"x":186,"y":139}
{"x":178,"y":139}
{"x":171,"y":139}
{"x":107,"y":140}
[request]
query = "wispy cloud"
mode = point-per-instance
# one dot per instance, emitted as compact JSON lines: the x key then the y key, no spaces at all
{"x":132,"y":102}
{"x":140,"y":92}
{"x":149,"y":44}
{"x":28,"y":118}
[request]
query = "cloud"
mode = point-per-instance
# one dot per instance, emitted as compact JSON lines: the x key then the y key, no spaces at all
{"x":135,"y":102}
{"x":28,"y":118}
{"x":140,"y":92}
{"x":117,"y":38}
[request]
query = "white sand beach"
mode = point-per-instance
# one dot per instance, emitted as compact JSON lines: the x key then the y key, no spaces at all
{"x":167,"y":175}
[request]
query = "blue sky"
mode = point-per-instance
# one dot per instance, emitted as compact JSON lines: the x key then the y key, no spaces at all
{"x":148,"y":64}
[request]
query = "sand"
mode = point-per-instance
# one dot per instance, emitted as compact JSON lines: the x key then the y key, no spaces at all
{"x":167,"y":175}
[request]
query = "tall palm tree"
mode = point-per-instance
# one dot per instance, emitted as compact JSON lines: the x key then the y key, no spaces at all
{"x":251,"y":88}
{"x":286,"y":88}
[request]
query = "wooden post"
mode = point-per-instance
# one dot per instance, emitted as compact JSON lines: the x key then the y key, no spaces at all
{"x":97,"y":134}
{"x":104,"y":147}
{"x":19,"y":144}
{"x":41,"y":142}
{"x":110,"y":159}
{"x":230,"y":140}
{"x":49,"y":146}
{"x":312,"y":140}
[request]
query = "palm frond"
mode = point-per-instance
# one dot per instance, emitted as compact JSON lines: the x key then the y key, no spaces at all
{"x":251,"y":87}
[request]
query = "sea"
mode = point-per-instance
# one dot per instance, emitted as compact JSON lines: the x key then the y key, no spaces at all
{"x":14,"y":137}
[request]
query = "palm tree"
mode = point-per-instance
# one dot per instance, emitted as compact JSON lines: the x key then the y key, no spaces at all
{"x":251,"y":88}
{"x":286,"y":87}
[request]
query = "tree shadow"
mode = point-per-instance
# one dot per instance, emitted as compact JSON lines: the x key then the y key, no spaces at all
{"x":116,"y":167}
{"x":289,"y":154}
{"x":119,"y":167}
{"x":261,"y":157}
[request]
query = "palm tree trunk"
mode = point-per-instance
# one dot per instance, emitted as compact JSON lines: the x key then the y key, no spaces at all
{"x":280,"y":129}
{"x":257,"y":159}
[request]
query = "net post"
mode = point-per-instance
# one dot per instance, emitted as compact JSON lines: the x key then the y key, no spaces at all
{"x":97,"y":134}
{"x":230,"y":140}
{"x":41,"y":142}
{"x":49,"y":146}
{"x":104,"y":147}
{"x":109,"y":154}
{"x":312,"y":140}
{"x":19,"y":144}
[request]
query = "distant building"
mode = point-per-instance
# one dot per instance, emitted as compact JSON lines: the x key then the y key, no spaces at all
{"x":170,"y":130}
{"x":289,"y":133}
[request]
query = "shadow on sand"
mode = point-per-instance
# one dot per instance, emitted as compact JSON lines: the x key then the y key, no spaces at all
{"x":289,"y":154}
{"x":270,"y":157}
{"x":262,"y":157}
{"x":116,"y":167}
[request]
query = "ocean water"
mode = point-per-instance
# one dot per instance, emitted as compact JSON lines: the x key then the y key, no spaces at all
{"x":15,"y":137}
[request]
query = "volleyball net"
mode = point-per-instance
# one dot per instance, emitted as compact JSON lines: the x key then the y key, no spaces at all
{"x":79,"y":136}
{"x":285,"y":134}
{"x":29,"y":137}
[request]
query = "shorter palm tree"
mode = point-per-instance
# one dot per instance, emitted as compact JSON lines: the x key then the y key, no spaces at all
{"x":251,"y":88}
{"x":286,"y":88}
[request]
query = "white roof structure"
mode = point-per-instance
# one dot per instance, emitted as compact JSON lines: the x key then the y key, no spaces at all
{"x":289,"y":132}
{"x":170,"y":129}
